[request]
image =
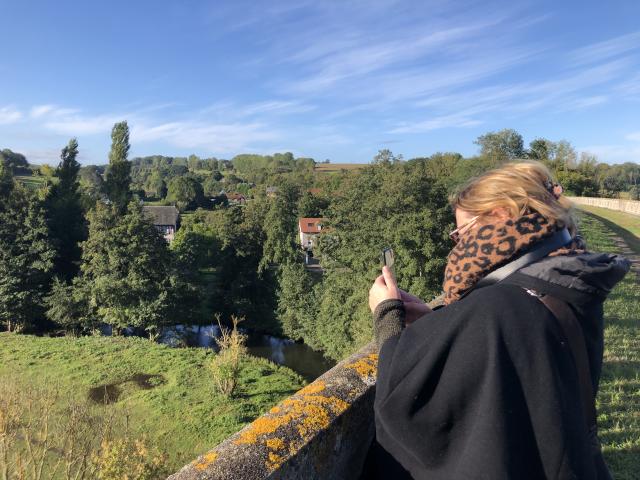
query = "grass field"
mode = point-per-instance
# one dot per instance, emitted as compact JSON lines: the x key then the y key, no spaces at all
{"x":619,"y":395}
{"x":625,"y":225}
{"x":167,"y":392}
{"x":30,"y":182}
{"x":337,"y":167}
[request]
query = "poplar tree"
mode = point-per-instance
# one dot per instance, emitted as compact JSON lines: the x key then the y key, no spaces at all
{"x":119,"y":171}
{"x":65,"y":214}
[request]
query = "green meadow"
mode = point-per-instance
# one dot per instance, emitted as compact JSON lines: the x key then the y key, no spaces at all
{"x":166,"y":394}
{"x":618,"y":399}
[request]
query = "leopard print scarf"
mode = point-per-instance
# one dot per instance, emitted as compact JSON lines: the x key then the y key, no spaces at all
{"x":482,"y":250}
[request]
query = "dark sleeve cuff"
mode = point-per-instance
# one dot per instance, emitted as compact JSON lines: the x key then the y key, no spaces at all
{"x":388,"y":320}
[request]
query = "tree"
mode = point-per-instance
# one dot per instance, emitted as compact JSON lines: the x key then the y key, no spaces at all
{"x":612,"y":185}
{"x":65,"y":213}
{"x":565,"y":156}
{"x":501,"y":146}
{"x":398,"y":205}
{"x":186,"y":192}
{"x":305,"y":163}
{"x":67,"y":306}
{"x":127,"y":267}
{"x":15,"y":162}
{"x":26,"y":257}
{"x":6,"y":181}
{"x":229,"y":241}
{"x":194,"y":163}
{"x":587,"y":164}
{"x":575,"y":182}
{"x":46,"y":170}
{"x":541,"y":149}
{"x":297,"y":304}
{"x":280,"y":228}
{"x":386,"y":157}
{"x":156,"y":185}
{"x":119,"y":171}
{"x":91,"y":185}
{"x":312,"y":205}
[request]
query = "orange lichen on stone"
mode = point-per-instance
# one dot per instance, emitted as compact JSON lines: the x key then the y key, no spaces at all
{"x":309,"y":410}
{"x":275,"y":443}
{"x":366,"y":367}
{"x":268,"y":424}
{"x":313,"y":388}
{"x":317,"y":418}
{"x":274,"y":461}
{"x":262,"y":426}
{"x":207,"y":460}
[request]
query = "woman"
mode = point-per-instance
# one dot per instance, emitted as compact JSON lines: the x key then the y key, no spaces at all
{"x":487,"y":386}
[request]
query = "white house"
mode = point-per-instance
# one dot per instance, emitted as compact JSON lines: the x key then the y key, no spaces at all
{"x":308,"y":231}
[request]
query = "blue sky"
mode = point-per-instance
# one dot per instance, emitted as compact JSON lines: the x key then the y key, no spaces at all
{"x":326,"y":79}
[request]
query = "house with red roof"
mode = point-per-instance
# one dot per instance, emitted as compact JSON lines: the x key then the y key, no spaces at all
{"x":308,"y":231}
{"x":236,"y":198}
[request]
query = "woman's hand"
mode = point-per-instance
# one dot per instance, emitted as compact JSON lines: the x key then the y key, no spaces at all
{"x":384,"y":288}
{"x":413,"y":306}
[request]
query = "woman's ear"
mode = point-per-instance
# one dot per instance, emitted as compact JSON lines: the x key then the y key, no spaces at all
{"x":500,"y":213}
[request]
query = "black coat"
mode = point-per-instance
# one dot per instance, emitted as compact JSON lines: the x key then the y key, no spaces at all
{"x":486,"y":388}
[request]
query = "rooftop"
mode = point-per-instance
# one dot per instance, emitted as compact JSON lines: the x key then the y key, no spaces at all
{"x":162,"y":215}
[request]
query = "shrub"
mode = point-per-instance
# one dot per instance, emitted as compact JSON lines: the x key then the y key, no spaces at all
{"x":127,"y":459}
{"x":225,"y":365}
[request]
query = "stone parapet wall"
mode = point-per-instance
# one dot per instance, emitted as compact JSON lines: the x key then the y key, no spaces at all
{"x":322,"y":432}
{"x":628,"y":206}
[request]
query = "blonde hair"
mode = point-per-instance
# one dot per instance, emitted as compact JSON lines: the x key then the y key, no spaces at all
{"x":519,"y":188}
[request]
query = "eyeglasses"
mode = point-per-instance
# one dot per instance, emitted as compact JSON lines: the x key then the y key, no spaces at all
{"x":455,"y":235}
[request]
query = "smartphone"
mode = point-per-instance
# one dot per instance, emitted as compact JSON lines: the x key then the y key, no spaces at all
{"x":387,"y":259}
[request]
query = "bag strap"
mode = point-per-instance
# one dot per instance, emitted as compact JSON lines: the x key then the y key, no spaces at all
{"x":575,"y":336}
{"x":538,"y":251}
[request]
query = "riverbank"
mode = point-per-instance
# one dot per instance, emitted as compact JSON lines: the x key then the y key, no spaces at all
{"x":166,"y":392}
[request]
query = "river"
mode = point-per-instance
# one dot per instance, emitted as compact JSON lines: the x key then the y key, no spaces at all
{"x":299,"y":357}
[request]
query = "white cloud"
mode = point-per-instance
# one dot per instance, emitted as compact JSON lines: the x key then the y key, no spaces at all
{"x":447,"y":121}
{"x":215,"y":138}
{"x":607,"y":49}
{"x":39,"y":111}
{"x":354,"y":57}
{"x":268,"y":108}
{"x":9,"y":115}
{"x":630,"y":87}
{"x":49,"y":156}
{"x":634,"y":136}
{"x":561,"y":94}
{"x":230,"y":135}
{"x":82,"y":124}
{"x":273,"y":107}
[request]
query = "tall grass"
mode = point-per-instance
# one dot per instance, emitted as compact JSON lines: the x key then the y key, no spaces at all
{"x":83,"y":442}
